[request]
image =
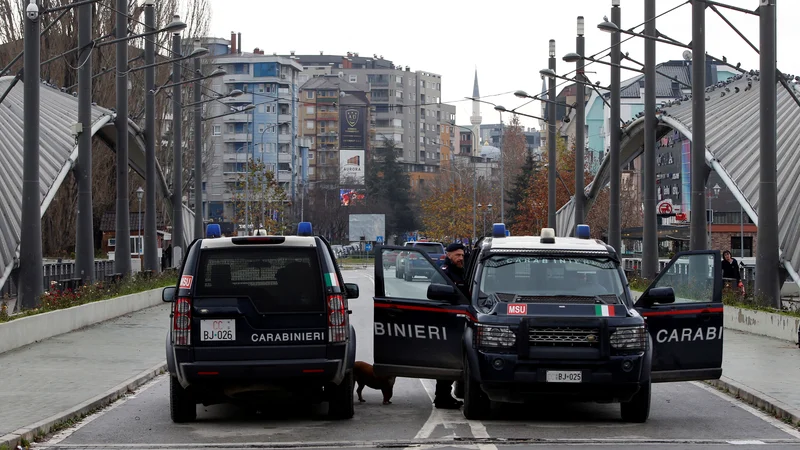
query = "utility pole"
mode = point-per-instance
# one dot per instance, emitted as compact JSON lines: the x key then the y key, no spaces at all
{"x":551,"y":141}
{"x":698,"y":237}
{"x":579,"y":127}
{"x":768,"y":279}
{"x":614,"y":216}
{"x":84,"y":242}
{"x":122,"y":250}
{"x":31,"y":282}
{"x":198,"y":148}
{"x":150,"y":227}
{"x":177,"y":154}
{"x":650,"y":232}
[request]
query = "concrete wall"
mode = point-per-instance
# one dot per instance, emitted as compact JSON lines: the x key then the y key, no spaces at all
{"x":27,"y":330}
{"x":762,"y":323}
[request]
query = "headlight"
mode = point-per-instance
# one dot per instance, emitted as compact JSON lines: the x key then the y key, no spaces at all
{"x":494,"y":336}
{"x":629,"y":338}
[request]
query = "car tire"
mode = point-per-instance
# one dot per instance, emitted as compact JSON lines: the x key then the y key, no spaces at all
{"x":477,"y":405}
{"x":408,"y":276}
{"x":340,"y":398}
{"x":637,"y":410}
{"x":182,"y":406}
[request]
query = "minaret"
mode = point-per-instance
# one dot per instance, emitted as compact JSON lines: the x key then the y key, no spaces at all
{"x":476,"y":117}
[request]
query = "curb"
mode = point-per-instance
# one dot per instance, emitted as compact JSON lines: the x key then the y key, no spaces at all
{"x":758,"y":399}
{"x":46,"y":426}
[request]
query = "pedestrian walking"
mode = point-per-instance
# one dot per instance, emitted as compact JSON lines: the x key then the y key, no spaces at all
{"x":730,"y":270}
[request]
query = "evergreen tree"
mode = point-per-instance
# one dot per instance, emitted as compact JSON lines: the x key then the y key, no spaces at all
{"x":389,"y":190}
{"x":518,"y":193}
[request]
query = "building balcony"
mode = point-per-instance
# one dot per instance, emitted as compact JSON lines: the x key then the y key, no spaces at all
{"x":236,"y":118}
{"x":327,"y":115}
{"x":236,"y":137}
{"x":282,"y":118}
{"x":379,"y":83}
{"x":239,"y":78}
{"x":285,"y":138}
{"x":244,"y":98}
{"x":235,"y":157}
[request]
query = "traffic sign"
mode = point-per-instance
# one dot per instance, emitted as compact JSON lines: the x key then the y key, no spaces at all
{"x":681,"y":217}
{"x":368,"y":246}
{"x":665,"y":208}
{"x":379,"y":239}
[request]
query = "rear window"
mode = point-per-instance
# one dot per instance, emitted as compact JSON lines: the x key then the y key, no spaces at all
{"x":430,"y":248}
{"x":276,"y":279}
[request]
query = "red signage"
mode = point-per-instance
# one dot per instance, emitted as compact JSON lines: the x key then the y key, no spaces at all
{"x":680,"y":216}
{"x":518,"y":308}
{"x":665,"y":208}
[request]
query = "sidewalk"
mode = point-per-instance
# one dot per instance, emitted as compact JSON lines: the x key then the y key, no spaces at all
{"x":762,"y":371}
{"x":80,"y":370}
{"x":62,"y":377}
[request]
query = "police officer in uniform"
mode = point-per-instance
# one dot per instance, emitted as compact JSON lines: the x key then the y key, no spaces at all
{"x":453,"y":267}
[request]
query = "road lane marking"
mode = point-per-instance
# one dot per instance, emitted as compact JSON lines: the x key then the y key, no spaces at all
{"x":746,"y":442}
{"x":763,"y":416}
{"x":64,"y":434}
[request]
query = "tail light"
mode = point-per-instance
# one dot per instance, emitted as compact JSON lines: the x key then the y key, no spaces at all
{"x":441,"y":258}
{"x":182,"y":321}
{"x":412,"y":256}
{"x":337,"y":318}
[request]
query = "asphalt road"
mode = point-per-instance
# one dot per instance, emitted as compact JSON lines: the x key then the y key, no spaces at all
{"x":682,"y":415}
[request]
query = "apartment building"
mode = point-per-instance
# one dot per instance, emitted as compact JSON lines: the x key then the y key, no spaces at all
{"x":335,"y":117}
{"x":406,"y":105}
{"x":268,"y":132}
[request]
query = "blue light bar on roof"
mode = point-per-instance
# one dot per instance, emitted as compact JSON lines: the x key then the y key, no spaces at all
{"x":304,"y":229}
{"x":499,"y":230}
{"x":213,"y":230}
{"x":582,"y":231}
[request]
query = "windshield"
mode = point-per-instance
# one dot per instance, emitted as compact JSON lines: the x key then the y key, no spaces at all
{"x":534,"y":278}
{"x":430,"y":248}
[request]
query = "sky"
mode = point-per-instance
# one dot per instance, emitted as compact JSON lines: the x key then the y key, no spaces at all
{"x":506,"y":40}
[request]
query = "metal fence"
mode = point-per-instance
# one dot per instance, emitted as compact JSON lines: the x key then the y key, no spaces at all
{"x":63,"y":273}
{"x":633,"y":267}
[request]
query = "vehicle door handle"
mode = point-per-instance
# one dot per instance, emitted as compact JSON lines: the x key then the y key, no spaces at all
{"x":705,"y":316}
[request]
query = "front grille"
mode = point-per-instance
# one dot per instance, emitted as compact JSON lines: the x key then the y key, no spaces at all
{"x":564,"y":337}
{"x":561,"y":300}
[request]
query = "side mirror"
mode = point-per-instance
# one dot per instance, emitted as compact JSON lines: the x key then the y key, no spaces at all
{"x":168,"y":294}
{"x":661,"y":295}
{"x":352,"y":290}
{"x":442,"y":292}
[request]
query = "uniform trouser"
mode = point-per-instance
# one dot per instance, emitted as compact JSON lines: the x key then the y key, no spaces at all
{"x":444,"y":389}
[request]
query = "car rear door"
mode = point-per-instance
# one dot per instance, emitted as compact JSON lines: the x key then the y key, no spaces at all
{"x":687,"y":334}
{"x":414,"y":336}
{"x":259,"y":302}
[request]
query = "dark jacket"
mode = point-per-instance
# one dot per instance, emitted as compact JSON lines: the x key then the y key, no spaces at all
{"x":731,"y":269}
{"x":457,"y":276}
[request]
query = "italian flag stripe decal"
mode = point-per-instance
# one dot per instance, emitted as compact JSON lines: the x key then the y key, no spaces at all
{"x":604,"y":310}
{"x":331,"y":280}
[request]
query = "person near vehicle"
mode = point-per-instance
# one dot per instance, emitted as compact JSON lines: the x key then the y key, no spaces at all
{"x":730,"y":268}
{"x":453,"y":267}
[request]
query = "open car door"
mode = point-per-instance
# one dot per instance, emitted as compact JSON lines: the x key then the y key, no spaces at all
{"x":684,"y":315}
{"x":419,"y":319}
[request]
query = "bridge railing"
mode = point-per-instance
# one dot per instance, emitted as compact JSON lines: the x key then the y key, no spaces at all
{"x":62,"y":273}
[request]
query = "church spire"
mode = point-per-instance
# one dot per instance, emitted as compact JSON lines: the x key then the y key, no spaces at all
{"x":475,"y":92}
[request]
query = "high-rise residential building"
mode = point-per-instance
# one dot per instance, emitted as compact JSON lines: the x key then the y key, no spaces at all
{"x":335,"y":117}
{"x":407,"y":105}
{"x":268,"y":132}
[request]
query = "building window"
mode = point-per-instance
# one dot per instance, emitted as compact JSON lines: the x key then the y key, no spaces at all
{"x":354,"y":78}
{"x":309,"y":94}
{"x":260,"y":88}
{"x":309,"y":110}
{"x":271,"y":109}
{"x":736,"y":246}
{"x":310,"y":156}
{"x":309,"y":124}
{"x":217,"y":130}
{"x":261,"y":128}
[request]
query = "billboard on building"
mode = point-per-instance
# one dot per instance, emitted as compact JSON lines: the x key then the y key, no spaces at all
{"x":350,"y":197}
{"x":353,"y":127}
{"x":351,"y":167}
{"x":367,"y":227}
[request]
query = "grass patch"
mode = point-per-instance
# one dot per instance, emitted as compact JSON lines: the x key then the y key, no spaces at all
{"x":54,"y":300}
{"x":355,"y":261}
{"x":729,"y":298}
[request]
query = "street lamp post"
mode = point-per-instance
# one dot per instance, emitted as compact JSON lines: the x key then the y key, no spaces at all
{"x":150,"y":226}
{"x":712,"y":194}
{"x":139,"y":195}
{"x":84,"y":239}
{"x":614,"y":216}
{"x":198,"y":148}
{"x":31,"y":270}
{"x":177,"y":154}
{"x":580,"y":128}
{"x":551,"y":140}
{"x":474,"y":182}
{"x":650,"y":233}
{"x":122,"y":250}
